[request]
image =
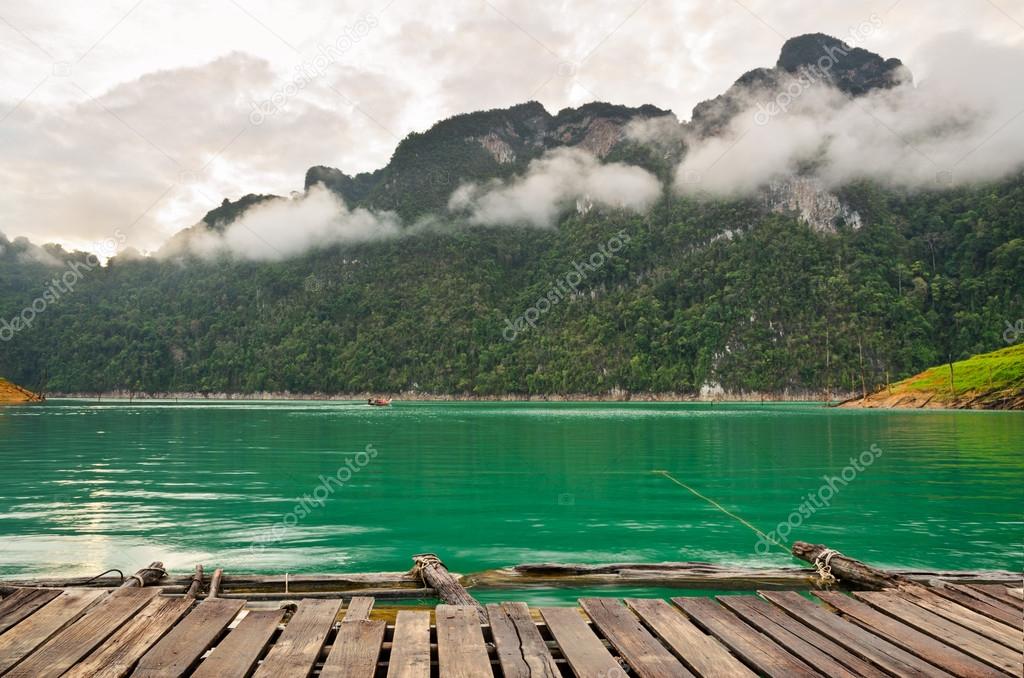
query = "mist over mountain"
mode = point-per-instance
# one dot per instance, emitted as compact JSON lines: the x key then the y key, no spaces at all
{"x":824,"y":225}
{"x":827,"y":114}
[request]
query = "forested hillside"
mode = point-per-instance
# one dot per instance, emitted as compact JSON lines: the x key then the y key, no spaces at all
{"x":756,"y":294}
{"x":776,"y":306}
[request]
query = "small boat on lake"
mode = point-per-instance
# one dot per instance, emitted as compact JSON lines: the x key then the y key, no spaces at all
{"x":378,"y":402}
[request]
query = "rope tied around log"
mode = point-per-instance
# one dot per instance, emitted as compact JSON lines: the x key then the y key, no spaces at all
{"x":823,"y":564}
{"x":146,"y":575}
{"x":423,"y":560}
{"x":434,"y":574}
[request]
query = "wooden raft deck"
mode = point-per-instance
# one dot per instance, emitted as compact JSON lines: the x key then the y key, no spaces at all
{"x":956,"y":631}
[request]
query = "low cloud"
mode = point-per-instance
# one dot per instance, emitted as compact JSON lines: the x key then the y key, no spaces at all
{"x":288,"y":227}
{"x":962,"y":124}
{"x":663,"y":131}
{"x":551,"y":185}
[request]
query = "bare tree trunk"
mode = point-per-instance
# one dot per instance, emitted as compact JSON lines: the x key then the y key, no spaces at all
{"x":952,"y":386}
{"x":860,"y":350}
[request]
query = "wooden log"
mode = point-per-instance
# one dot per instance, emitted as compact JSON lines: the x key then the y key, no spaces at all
{"x":244,"y":582}
{"x":678,"y":575}
{"x":146,"y":576}
{"x":381,"y":594}
{"x":850,"y":572}
{"x":215,"y":582}
{"x":197,"y":583}
{"x":435,"y":575}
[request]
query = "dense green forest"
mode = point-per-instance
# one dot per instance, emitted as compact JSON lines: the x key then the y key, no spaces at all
{"x":775,"y":306}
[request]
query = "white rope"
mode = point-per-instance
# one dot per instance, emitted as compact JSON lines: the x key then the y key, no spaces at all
{"x":823,"y":563}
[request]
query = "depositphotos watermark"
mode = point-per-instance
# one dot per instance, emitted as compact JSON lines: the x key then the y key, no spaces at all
{"x":820,"y":499}
{"x":564,"y":286}
{"x":316,"y":499}
{"x":62,"y":285}
{"x":1013,"y":332}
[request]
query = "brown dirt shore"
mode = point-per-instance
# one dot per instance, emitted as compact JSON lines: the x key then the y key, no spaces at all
{"x":934,"y":401}
{"x":12,"y":394}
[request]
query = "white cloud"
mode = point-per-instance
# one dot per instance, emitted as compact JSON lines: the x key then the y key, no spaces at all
{"x":287,"y":227}
{"x":551,"y":184}
{"x":961,"y":124}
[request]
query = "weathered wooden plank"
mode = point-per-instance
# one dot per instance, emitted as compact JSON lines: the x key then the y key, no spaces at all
{"x":641,"y":650}
{"x":924,"y":646}
{"x":22,"y":603}
{"x":299,"y":645}
{"x":237,"y":654}
{"x":180,"y":649}
{"x":76,"y":641}
{"x":1000,"y":593}
{"x":356,"y":649}
{"x":854,"y":638}
{"x":359,"y":608}
{"x":757,"y":650}
{"x":1017,"y":592}
{"x":116,"y":656}
{"x":803,"y":642}
{"x":522,"y":651}
{"x":990,"y":628}
{"x":943,"y":630}
{"x":410,"y":647}
{"x":703,"y":654}
{"x":997,"y":612}
{"x":461,"y":652}
{"x":980,"y":595}
{"x":32,"y":632}
{"x":584,"y":651}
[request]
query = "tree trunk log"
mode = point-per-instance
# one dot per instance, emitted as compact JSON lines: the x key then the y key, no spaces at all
{"x":197,"y":583}
{"x":435,"y":575}
{"x":850,"y":572}
{"x":146,"y":576}
{"x":215,"y":580}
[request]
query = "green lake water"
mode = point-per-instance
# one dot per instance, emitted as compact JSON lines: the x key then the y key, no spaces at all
{"x":86,"y":486}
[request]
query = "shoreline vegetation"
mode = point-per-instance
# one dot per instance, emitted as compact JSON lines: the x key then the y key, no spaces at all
{"x":614,"y":397}
{"x":989,"y":381}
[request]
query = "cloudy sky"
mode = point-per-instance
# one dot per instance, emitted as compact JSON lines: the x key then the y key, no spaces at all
{"x":139,"y":115}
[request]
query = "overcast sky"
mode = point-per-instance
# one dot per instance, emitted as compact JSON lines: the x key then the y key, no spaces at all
{"x":138,"y":115}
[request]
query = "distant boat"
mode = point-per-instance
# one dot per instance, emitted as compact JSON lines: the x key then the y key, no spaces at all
{"x":378,"y":402}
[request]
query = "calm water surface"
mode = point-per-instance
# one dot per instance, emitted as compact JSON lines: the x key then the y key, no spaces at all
{"x":86,"y":486}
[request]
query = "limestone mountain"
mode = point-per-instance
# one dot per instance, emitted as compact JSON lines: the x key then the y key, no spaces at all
{"x":426,"y":167}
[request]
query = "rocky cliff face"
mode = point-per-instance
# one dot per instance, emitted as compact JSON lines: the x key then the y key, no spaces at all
{"x":808,"y":198}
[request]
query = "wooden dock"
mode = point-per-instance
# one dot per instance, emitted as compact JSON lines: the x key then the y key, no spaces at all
{"x":956,"y":630}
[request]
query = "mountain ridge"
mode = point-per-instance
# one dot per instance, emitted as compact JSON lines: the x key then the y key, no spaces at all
{"x":500,"y":142}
